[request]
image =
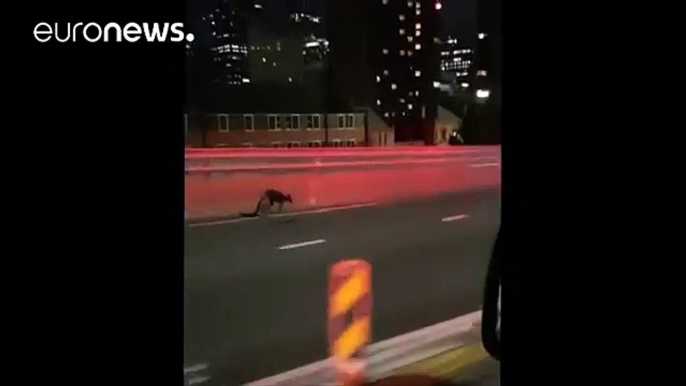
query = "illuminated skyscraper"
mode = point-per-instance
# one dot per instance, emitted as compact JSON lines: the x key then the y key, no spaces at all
{"x":224,"y":25}
{"x":385,"y":54}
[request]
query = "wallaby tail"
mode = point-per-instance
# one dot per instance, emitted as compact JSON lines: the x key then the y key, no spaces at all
{"x":256,"y":213}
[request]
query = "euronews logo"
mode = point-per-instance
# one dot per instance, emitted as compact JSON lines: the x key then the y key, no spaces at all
{"x":112,"y":32}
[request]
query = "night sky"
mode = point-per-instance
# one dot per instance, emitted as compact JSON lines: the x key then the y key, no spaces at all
{"x":459,"y":15}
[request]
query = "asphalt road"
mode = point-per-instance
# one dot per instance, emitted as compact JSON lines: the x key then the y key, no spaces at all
{"x":254,"y":310}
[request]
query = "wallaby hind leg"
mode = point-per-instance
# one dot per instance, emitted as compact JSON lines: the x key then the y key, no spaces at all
{"x":264,"y":209}
{"x":269,"y":206}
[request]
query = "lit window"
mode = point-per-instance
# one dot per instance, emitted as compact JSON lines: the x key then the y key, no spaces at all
{"x":419,"y":5}
{"x":402,"y":52}
{"x":378,"y":102}
{"x":419,"y":12}
{"x":481,"y":73}
{"x":483,"y":94}
{"x":416,"y":93}
{"x":384,"y":2}
{"x":418,"y":26}
{"x":385,"y":51}
{"x":385,"y":72}
{"x":409,"y":52}
{"x":385,"y":114}
{"x":409,"y":106}
{"x":418,"y":33}
{"x":417,"y":46}
{"x":402,"y":31}
{"x":401,"y":17}
{"x":482,"y":35}
{"x":439,"y":6}
{"x":402,"y":100}
{"x":409,"y":39}
{"x":465,"y":85}
{"x":409,"y":4}
{"x":378,"y":79}
{"x":417,"y":74}
{"x":393,"y":86}
{"x":264,"y":60}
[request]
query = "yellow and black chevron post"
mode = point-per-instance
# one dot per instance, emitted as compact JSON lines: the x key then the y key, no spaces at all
{"x":350,"y":318}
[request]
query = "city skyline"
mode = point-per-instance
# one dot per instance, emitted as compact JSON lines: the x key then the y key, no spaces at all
{"x":461,"y":23}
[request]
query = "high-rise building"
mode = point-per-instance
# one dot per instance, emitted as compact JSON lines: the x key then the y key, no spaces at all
{"x":385,"y":54}
{"x":315,"y":49}
{"x":224,"y":26}
{"x":487,"y":70}
{"x":456,"y":62}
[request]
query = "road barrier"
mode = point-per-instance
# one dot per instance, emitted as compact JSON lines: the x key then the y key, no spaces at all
{"x":333,"y":178}
{"x":397,"y":355}
{"x":350,"y":318}
{"x":246,"y":160}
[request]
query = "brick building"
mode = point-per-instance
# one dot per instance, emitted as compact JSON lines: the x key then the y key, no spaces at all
{"x":276,"y":130}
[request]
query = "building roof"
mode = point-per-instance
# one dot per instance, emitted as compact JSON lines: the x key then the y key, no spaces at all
{"x":375,"y":122}
{"x":445,"y":116}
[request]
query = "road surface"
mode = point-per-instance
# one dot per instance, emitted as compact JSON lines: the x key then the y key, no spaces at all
{"x":256,"y":290}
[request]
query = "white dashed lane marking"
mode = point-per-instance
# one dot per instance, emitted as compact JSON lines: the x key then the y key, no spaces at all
{"x":195,"y":368}
{"x":455,"y":218}
{"x":303,"y":244}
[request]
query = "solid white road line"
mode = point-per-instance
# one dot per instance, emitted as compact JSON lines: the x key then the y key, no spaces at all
{"x":195,"y":368}
{"x":324,"y":210}
{"x":484,"y":165}
{"x":303,"y":244}
{"x":222,"y":222}
{"x":455,"y":218}
{"x":313,"y":211}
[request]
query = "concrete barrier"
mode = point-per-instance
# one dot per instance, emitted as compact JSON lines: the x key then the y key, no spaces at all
{"x":386,"y":357}
{"x":236,"y":188}
{"x":213,"y":159}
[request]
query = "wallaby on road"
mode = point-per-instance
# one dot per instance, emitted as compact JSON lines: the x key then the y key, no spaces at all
{"x":270,"y":197}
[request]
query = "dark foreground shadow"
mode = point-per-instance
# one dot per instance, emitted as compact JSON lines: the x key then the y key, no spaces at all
{"x":412,"y":380}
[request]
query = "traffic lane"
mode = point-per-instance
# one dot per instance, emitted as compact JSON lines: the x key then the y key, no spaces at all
{"x":249,"y":321}
{"x":272,"y":316}
{"x":236,"y":245}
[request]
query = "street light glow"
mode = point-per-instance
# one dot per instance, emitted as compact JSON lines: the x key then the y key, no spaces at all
{"x":439,"y":6}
